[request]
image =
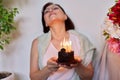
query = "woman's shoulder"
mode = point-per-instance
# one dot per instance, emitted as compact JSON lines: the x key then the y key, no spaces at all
{"x":38,"y":38}
{"x":43,"y":38}
{"x":82,"y":38}
{"x":35,"y":41}
{"x":78,"y":34}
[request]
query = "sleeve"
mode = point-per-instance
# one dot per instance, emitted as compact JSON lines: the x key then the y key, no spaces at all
{"x":88,"y":50}
{"x":88,"y":57}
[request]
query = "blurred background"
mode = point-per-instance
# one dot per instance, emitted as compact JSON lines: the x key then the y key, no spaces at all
{"x":88,"y":17}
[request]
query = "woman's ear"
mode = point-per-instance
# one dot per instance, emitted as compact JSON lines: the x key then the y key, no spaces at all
{"x":46,"y":25}
{"x":66,"y":17}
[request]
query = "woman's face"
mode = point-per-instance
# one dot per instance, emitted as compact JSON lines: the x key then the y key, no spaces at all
{"x":54,"y":13}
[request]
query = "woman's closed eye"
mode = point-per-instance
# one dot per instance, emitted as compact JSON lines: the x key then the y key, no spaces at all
{"x":46,"y":11}
{"x":55,"y":8}
{"x":51,"y":9}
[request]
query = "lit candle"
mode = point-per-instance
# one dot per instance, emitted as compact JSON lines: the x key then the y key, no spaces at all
{"x":67,"y":45}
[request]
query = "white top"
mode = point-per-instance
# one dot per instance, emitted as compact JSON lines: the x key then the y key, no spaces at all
{"x":62,"y":73}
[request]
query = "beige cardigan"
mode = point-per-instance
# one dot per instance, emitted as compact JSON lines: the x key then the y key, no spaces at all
{"x":87,"y":49}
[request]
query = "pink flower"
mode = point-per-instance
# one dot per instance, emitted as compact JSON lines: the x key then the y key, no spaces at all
{"x":114,"y":45}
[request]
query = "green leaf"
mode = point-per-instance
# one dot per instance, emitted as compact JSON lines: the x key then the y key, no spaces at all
{"x":1,"y":47}
{"x":1,"y":1}
{"x":7,"y":16}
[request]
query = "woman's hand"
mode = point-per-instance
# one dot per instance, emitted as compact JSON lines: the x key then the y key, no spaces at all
{"x":78,"y":61}
{"x":52,"y":64}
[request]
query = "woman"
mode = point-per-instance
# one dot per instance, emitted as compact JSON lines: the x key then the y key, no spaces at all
{"x":43,"y":62}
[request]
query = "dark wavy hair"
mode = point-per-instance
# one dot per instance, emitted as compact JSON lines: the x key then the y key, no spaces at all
{"x":68,"y":23}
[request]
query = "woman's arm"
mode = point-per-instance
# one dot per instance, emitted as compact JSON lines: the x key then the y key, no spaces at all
{"x":35,"y":72}
{"x":85,"y":73}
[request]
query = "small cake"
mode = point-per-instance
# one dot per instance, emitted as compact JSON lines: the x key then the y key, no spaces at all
{"x":66,"y":58}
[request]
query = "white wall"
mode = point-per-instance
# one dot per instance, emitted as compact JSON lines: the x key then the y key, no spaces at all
{"x":87,"y":15}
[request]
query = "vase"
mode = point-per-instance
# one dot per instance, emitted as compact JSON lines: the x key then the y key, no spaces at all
{"x":7,"y":76}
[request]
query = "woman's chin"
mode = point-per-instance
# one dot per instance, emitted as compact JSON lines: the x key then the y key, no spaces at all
{"x":55,"y":21}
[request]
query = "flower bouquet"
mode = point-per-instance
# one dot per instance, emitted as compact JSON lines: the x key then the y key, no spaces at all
{"x":112,"y":28}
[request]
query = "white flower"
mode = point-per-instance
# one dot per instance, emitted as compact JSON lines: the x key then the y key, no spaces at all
{"x":111,"y":29}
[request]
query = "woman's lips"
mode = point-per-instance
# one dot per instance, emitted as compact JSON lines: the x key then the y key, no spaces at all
{"x":52,"y":16}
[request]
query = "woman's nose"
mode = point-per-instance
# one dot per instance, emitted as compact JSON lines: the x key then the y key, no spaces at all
{"x":51,"y":9}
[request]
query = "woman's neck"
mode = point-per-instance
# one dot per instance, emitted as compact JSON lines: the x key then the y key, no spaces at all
{"x":58,"y":32}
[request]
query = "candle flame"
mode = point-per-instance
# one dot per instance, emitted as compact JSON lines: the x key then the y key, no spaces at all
{"x":67,"y":45}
